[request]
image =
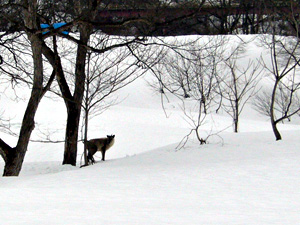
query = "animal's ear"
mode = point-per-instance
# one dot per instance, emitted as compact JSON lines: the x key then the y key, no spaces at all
{"x":110,"y":136}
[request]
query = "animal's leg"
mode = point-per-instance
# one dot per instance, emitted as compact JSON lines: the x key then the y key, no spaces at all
{"x":103,"y":154}
{"x":91,"y":158}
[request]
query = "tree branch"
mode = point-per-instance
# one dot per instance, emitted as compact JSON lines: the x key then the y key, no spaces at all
{"x":4,"y":150}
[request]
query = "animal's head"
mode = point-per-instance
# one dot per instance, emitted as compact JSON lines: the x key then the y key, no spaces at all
{"x":110,"y":137}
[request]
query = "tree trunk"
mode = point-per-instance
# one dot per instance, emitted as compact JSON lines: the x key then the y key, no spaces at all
{"x":15,"y":156}
{"x":272,"y":113}
{"x":236,"y":122}
{"x":14,"y":162}
{"x":74,"y":104}
{"x":236,"y":116}
{"x":70,"y":153}
{"x":86,"y":137}
{"x":73,"y":101}
{"x":275,"y":130}
{"x":86,"y":111}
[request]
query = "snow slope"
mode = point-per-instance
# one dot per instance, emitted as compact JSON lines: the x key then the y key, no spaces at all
{"x":244,"y":178}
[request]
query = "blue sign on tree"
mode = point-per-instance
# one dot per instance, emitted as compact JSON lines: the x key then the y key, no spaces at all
{"x":55,"y":26}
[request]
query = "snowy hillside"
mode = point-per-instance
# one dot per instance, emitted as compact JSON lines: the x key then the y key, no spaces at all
{"x":244,"y":178}
{"x":247,"y":180}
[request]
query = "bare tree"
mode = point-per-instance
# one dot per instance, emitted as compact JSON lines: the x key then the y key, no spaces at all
{"x":191,"y":75}
{"x":239,"y":83}
{"x":14,"y":156}
{"x":106,"y":73}
{"x":282,"y":102}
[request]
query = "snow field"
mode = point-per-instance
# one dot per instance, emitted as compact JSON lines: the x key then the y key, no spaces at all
{"x":244,"y":178}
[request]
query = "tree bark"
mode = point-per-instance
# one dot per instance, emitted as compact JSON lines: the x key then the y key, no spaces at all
{"x":272,"y":113}
{"x":275,"y":130}
{"x":70,"y":153}
{"x":74,"y":105}
{"x":236,"y":116}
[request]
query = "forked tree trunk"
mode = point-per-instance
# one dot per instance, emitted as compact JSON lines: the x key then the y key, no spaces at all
{"x":73,"y":101}
{"x":74,"y":105}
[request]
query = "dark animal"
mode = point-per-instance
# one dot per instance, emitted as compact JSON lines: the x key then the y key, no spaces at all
{"x":99,"y":144}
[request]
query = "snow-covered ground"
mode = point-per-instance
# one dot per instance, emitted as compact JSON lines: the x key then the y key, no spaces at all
{"x":244,"y":178}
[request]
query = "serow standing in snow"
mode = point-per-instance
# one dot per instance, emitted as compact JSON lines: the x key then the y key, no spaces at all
{"x":101,"y":145}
